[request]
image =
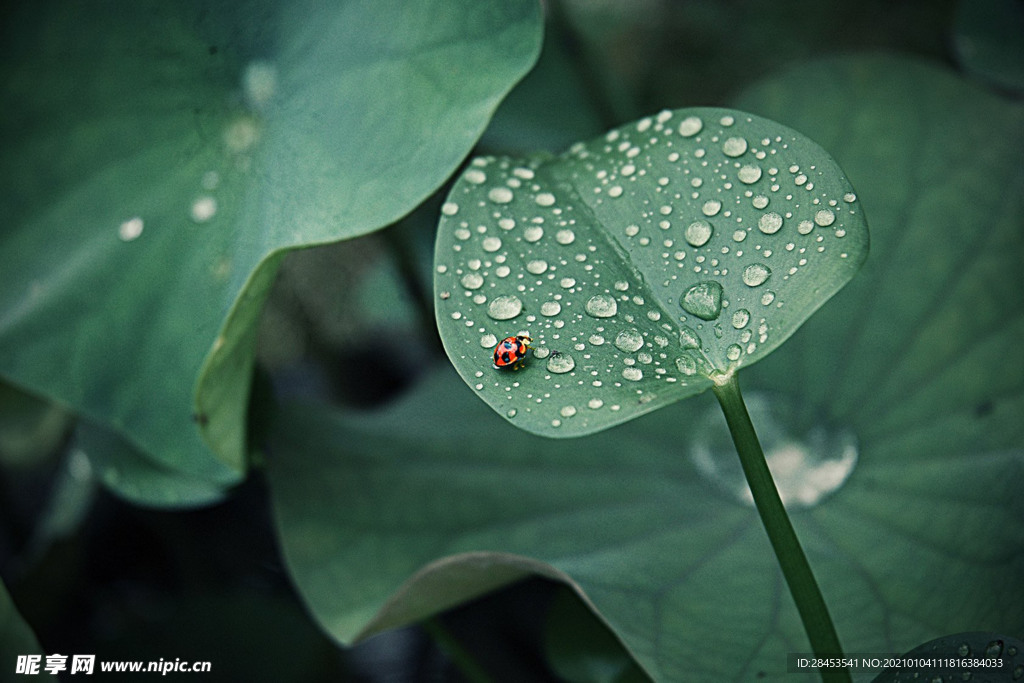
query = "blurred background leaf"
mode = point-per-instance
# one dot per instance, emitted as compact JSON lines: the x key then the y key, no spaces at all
{"x":16,"y":638}
{"x":989,"y":41}
{"x":158,"y":162}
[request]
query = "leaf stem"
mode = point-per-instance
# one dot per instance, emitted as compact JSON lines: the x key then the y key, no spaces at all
{"x":797,"y":572}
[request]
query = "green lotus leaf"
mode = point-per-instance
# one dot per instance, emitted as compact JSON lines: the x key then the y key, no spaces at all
{"x":641,"y":264}
{"x":160,"y":158}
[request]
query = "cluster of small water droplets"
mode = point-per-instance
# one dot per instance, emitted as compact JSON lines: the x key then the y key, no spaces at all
{"x":702,"y":218}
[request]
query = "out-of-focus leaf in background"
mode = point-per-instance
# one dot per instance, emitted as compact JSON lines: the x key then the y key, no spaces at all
{"x":160,"y":157}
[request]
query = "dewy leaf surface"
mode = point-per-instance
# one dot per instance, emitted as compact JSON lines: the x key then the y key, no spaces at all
{"x":159,"y":156}
{"x":689,"y":243}
{"x":922,"y":538}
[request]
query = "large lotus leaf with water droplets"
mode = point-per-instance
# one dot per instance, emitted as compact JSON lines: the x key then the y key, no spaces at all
{"x":641,"y":263}
{"x":157,"y":156}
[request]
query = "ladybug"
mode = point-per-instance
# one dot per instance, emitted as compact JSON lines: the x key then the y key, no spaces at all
{"x":511,"y":352}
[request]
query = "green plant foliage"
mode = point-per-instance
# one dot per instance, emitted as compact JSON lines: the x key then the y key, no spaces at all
{"x":690,"y":243}
{"x":989,"y":41}
{"x":910,"y":370}
{"x":156,"y":164}
{"x":1000,"y":659}
{"x":16,"y":638}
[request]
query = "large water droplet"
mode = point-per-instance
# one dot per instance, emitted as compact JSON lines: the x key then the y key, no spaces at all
{"x":734,"y":147}
{"x":687,"y":365}
{"x":601,"y":306}
{"x":472,"y":280}
{"x":500,"y":195}
{"x":756,"y":274}
{"x":740,"y":318}
{"x":688,"y":338}
{"x":698,"y":233}
{"x":703,"y":300}
{"x":633,"y":374}
{"x":690,"y":126}
{"x":806,"y":467}
{"x":629,"y":340}
{"x":130,"y":229}
{"x":504,"y":307}
{"x":769,"y":223}
{"x":537,"y":266}
{"x":560,"y":363}
{"x":824,"y":218}
{"x":749,"y":174}
{"x":550,"y":308}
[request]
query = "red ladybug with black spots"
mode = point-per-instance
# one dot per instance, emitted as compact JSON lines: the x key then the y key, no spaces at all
{"x":511,"y":352}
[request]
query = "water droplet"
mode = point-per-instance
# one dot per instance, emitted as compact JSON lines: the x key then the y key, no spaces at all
{"x":550,"y":308}
{"x":749,"y":174}
{"x":533,"y":233}
{"x":734,"y":147}
{"x":567,"y":283}
{"x":687,"y":365}
{"x":545,"y":199}
{"x":203,"y":209}
{"x":767,"y":298}
{"x":807,"y":465}
{"x":711,"y":207}
{"x":963,"y":650}
{"x":449,"y":208}
{"x":769,"y":223}
{"x":633,"y":374}
{"x":733,"y":352}
{"x":560,"y":363}
{"x":601,"y":306}
{"x":759,"y":201}
{"x":756,"y":274}
{"x":565,"y":237}
{"x":698,"y":233}
{"x":596,"y":339}
{"x":567,"y":411}
{"x":994,"y":649}
{"x":703,"y":300}
{"x":688,"y":338}
{"x":130,"y":229}
{"x":491,"y":244}
{"x":500,"y":195}
{"x":629,"y":340}
{"x":690,"y":126}
{"x":472,"y":280}
{"x":849,"y":197}
{"x":824,"y":218}
{"x":537,"y":266}
{"x":595,"y":403}
{"x":475,"y":176}
{"x":805,"y":227}
{"x":488,"y":341}
{"x":740,"y":318}
{"x":504,"y":307}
